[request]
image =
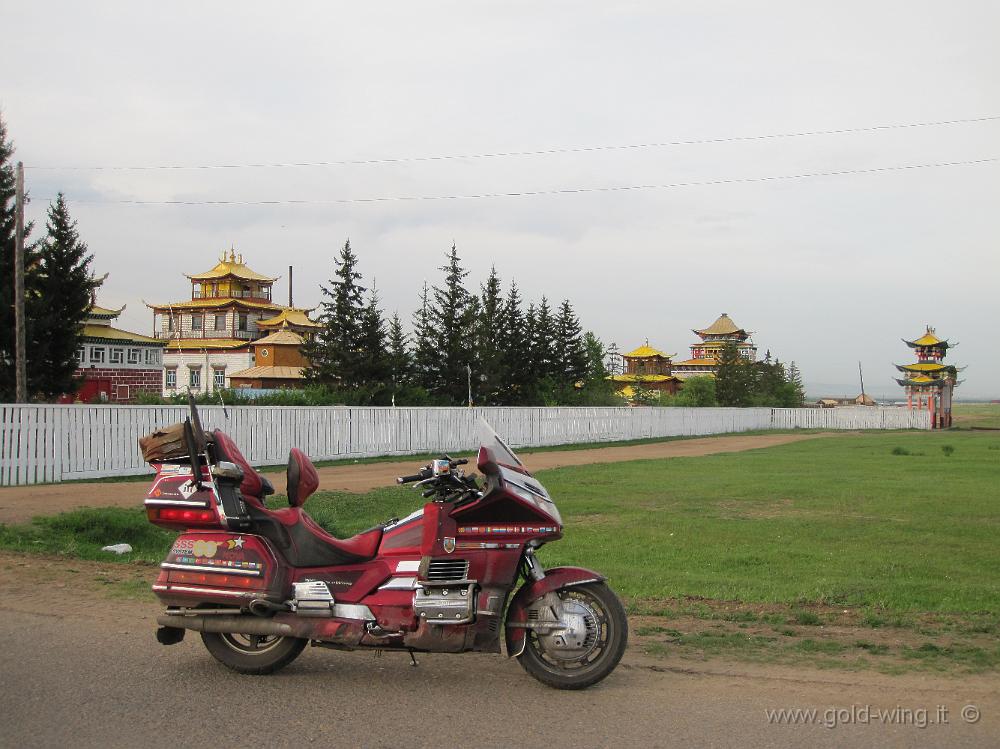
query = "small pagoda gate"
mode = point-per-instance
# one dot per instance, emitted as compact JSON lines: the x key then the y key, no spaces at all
{"x":648,"y":368}
{"x":705,"y":353}
{"x":929,"y":382}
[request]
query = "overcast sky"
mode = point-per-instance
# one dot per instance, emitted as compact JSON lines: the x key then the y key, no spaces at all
{"x":826,"y":270}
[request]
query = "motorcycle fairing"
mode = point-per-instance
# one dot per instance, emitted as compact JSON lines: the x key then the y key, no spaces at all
{"x":555,"y":578}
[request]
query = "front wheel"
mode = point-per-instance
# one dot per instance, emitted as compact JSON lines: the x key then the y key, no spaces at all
{"x":588,"y":644}
{"x":252,"y":654}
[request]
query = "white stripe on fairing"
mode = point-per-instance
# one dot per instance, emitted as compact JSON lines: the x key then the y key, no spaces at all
{"x":400,"y":583}
{"x":209,"y":591}
{"x":408,"y":565}
{"x":203,"y":568}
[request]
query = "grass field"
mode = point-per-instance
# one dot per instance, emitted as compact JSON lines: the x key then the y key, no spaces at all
{"x":972,"y":415}
{"x":891,"y":529}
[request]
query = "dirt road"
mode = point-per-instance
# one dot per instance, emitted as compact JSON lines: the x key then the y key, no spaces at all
{"x":19,"y":504}
{"x":82,"y":668}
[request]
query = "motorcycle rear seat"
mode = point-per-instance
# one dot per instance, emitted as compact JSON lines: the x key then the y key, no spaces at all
{"x":300,"y":538}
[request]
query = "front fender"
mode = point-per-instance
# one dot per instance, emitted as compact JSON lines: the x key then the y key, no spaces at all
{"x":555,"y":578}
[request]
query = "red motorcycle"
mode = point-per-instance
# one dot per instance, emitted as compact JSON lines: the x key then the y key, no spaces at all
{"x":260,"y":584}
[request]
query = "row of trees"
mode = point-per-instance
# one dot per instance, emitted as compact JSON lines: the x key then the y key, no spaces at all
{"x":486,"y":347}
{"x":58,"y":286}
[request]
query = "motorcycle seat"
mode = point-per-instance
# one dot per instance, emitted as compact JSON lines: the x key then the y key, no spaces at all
{"x":301,"y":539}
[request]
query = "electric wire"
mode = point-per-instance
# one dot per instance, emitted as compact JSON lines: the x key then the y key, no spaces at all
{"x":555,"y":191}
{"x":526,"y":153}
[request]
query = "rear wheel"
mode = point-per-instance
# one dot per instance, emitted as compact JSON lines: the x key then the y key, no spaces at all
{"x":590,"y":645}
{"x":252,"y":654}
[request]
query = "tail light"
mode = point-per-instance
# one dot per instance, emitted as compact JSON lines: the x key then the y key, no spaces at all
{"x":197,"y":517}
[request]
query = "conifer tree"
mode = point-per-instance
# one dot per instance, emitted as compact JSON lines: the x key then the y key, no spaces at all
{"x":543,"y":342}
{"x":514,"y":344}
{"x":491,"y":330}
{"x":733,"y":378}
{"x":570,"y":350}
{"x":400,"y":363}
{"x":453,"y":315}
{"x":795,"y":380}
{"x":334,"y":352}
{"x":425,"y":343}
{"x":64,"y":288}
{"x":373,"y":364}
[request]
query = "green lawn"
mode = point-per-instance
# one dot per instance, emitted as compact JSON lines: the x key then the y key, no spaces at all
{"x":889,"y":521}
{"x":982,"y":415}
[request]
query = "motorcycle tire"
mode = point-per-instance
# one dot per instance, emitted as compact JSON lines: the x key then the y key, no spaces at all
{"x":249,"y":654}
{"x":589,"y":665}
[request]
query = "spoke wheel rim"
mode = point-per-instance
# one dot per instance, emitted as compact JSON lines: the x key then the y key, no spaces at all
{"x":250,"y":644}
{"x":593,"y":654}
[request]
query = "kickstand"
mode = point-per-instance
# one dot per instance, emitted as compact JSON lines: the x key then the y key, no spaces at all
{"x":413,"y":660}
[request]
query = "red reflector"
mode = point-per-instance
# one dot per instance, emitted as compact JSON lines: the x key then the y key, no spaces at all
{"x":188,"y":516}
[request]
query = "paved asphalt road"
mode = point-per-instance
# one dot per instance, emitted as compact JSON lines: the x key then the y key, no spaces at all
{"x":96,"y":677}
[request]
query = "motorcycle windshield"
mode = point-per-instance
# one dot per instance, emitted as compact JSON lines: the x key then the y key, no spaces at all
{"x":496,"y":450}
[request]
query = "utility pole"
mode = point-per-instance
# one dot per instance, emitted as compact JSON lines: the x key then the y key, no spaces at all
{"x":289,"y":286}
{"x":468,"y":371}
{"x":861,"y":376}
{"x":21,"y":385}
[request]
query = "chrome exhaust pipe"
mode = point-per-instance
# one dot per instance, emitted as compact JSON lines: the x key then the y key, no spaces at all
{"x":243,"y":625}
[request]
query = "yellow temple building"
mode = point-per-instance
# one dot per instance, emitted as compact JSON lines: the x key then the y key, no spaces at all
{"x":705,"y":353}
{"x":648,"y":368}
{"x":210,"y":336}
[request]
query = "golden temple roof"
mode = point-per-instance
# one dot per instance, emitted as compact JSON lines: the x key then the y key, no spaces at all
{"x":214,"y":302}
{"x":271,"y":373}
{"x":107,"y":333}
{"x":930,"y":338}
{"x":98,"y":311}
{"x":283,"y":336}
{"x":291,"y":315}
{"x":641,"y":378}
{"x":697,"y":362}
{"x":923,"y":367}
{"x":197,"y":344}
{"x":231,"y":266}
{"x":723,"y":326}
{"x":646,"y":351}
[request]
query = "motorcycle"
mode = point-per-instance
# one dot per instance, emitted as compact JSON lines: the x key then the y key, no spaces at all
{"x":259,"y":584}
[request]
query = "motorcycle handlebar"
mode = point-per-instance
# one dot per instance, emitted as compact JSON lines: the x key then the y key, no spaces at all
{"x":424,"y":474}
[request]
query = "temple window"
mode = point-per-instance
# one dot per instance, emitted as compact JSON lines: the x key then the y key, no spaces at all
{"x":195,"y":375}
{"x":220,"y":321}
{"x":243,"y":321}
{"x":219,"y":378}
{"x":81,"y":355}
{"x":133,"y":356}
{"x":170,"y":378}
{"x":196,"y":322}
{"x":117,"y":356}
{"x":152,"y":356}
{"x":96,"y":354}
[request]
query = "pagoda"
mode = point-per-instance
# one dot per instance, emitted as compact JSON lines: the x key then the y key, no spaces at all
{"x":209,"y":336}
{"x":705,"y":353}
{"x":648,"y":368}
{"x":929,"y":382}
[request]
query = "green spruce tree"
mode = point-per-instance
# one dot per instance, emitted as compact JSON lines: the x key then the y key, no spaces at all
{"x":491,"y":331}
{"x":571,"y":361}
{"x":335,"y":351}
{"x":425,"y":344}
{"x":452,"y":315}
{"x":400,"y":361}
{"x":373,"y":372}
{"x":734,"y":378}
{"x":65,"y":288}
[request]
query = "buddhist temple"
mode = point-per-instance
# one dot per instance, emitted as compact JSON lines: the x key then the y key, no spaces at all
{"x":115,"y":365}
{"x":704,"y":359}
{"x":210,"y":336}
{"x":280,"y":362}
{"x":648,"y":368}
{"x":929,"y":382}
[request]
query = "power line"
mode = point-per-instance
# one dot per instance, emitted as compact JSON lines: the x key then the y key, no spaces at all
{"x":558,"y":191}
{"x":540,"y":152}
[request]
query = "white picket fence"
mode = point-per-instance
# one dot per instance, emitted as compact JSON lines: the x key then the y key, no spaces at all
{"x":57,"y":443}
